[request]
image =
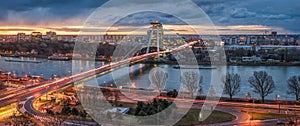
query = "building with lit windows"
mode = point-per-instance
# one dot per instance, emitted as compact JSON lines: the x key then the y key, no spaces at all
{"x":36,"y":36}
{"x":50,"y":35}
{"x":21,"y":37}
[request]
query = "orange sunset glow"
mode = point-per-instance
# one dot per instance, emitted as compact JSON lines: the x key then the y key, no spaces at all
{"x":170,"y":29}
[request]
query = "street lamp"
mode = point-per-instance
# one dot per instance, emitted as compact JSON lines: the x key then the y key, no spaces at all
{"x":42,"y":76}
{"x":47,"y":93}
{"x":277,"y":98}
{"x":296,"y":118}
{"x":54,"y":76}
{"x":248,"y":96}
{"x":286,"y":112}
{"x":133,"y":85}
{"x":8,"y":76}
{"x":69,"y":72}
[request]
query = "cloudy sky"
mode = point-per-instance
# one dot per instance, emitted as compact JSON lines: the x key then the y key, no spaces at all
{"x":228,"y":16}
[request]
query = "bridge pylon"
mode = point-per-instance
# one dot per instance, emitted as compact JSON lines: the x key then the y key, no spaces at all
{"x":155,"y":36}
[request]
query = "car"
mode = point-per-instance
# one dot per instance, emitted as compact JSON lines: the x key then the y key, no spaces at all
{"x":280,"y":122}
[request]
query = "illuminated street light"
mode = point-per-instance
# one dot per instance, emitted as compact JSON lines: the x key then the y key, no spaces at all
{"x":248,"y":96}
{"x":277,"y":98}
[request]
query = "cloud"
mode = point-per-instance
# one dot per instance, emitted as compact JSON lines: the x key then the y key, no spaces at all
{"x":44,"y":12}
{"x":277,"y":17}
{"x":65,"y":29}
{"x":223,"y":20}
{"x":176,"y":30}
{"x":16,"y":29}
{"x":273,"y":13}
{"x":242,"y":13}
{"x":145,"y":18}
{"x":42,"y":16}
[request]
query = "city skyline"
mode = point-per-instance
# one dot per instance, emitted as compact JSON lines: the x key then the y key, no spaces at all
{"x":229,"y":17}
{"x":149,"y":62}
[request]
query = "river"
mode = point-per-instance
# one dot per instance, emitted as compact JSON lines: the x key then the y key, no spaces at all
{"x":280,"y":74}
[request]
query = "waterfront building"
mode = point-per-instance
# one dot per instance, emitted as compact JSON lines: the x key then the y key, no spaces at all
{"x":21,"y":37}
{"x":114,"y":38}
{"x":237,"y":47}
{"x":36,"y":36}
{"x":67,"y":38}
{"x":251,"y":59}
{"x":50,"y":35}
{"x":8,"y":38}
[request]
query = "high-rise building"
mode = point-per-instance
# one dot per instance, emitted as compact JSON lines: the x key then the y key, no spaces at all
{"x":36,"y":36}
{"x":114,"y":38}
{"x":274,"y":33}
{"x":50,"y":35}
{"x":273,"y":37}
{"x":21,"y":37}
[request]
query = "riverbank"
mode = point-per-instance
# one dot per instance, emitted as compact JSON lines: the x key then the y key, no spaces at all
{"x":226,"y":63}
{"x":45,"y":57}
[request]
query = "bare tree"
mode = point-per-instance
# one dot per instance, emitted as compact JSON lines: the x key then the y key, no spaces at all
{"x":294,"y":86}
{"x":158,"y":78}
{"x":192,"y":80}
{"x":54,"y":120}
{"x":232,"y":84}
{"x":262,"y":84}
{"x":19,"y":120}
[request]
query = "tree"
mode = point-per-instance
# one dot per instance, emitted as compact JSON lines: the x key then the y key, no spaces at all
{"x":65,"y":110}
{"x":262,"y":84}
{"x":294,"y":86}
{"x":54,"y":120}
{"x":158,"y":78}
{"x":49,"y":112}
{"x":83,"y":114}
{"x":139,"y":107}
{"x":232,"y":84}
{"x":19,"y":120}
{"x":172,"y":93}
{"x":74,"y":111}
{"x":192,"y":80}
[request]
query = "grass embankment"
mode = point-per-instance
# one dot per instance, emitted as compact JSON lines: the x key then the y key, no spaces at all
{"x":191,"y":118}
{"x":264,"y":116}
